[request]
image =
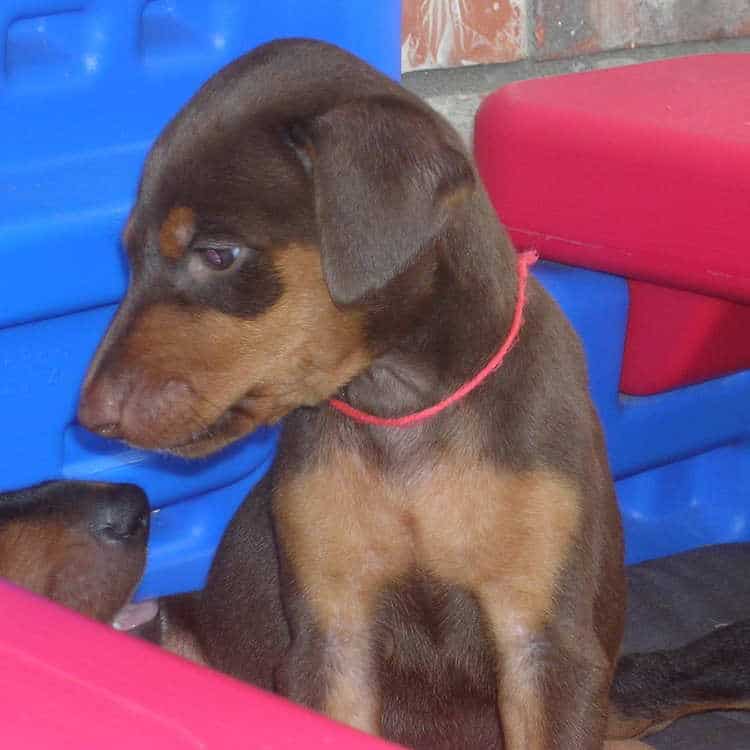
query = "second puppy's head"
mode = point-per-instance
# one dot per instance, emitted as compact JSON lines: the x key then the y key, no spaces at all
{"x":81,"y":544}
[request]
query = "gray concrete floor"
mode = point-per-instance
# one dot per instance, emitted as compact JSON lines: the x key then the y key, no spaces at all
{"x":457,"y":92}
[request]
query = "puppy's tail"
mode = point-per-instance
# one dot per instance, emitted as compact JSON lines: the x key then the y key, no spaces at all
{"x":651,"y":690}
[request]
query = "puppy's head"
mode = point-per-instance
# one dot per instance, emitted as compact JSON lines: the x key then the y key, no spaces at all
{"x":295,"y":189}
{"x":81,"y":544}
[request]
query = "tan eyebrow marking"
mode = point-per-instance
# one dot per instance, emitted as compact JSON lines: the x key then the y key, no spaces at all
{"x":176,"y":232}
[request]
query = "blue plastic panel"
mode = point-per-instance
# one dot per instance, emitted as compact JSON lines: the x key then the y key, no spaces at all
{"x":681,"y":459}
{"x":85,"y":87}
{"x":75,"y":134}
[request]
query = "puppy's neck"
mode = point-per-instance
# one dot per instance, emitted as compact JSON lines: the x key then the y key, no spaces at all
{"x":443,"y":321}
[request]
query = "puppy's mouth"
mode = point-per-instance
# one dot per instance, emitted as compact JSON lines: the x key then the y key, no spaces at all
{"x":188,"y":437}
{"x":234,"y":423}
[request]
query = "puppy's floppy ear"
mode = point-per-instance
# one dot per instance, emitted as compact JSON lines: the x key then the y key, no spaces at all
{"x":384,"y":173}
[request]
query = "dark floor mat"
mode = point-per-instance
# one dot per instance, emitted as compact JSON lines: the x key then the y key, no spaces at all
{"x":676,"y":599}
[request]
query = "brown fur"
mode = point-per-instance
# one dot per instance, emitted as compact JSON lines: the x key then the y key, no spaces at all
{"x":63,"y":563}
{"x":175,"y":629}
{"x":176,"y":232}
{"x":24,"y":543}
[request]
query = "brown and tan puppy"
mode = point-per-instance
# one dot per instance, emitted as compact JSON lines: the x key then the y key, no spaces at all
{"x":305,"y":228}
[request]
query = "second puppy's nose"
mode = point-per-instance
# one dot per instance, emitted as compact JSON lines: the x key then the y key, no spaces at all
{"x":123,"y":515}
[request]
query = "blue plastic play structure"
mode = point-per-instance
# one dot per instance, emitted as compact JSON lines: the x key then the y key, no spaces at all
{"x":86,"y":86}
{"x":681,"y":459}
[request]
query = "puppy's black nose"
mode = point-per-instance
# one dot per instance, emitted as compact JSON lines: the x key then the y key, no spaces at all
{"x":123,"y":514}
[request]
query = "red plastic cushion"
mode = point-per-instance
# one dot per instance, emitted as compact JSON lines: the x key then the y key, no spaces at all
{"x":70,"y":683}
{"x":641,"y":171}
{"x":675,"y":338}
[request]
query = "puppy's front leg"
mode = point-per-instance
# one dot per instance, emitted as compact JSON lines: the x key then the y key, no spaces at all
{"x":329,"y":665}
{"x":552,"y":689}
{"x":339,"y":547}
{"x":352,"y":693}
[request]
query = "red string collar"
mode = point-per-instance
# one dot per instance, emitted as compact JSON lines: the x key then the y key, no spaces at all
{"x":525,"y":260}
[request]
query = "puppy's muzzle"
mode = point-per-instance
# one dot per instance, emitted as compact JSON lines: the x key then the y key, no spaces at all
{"x":135,"y":409}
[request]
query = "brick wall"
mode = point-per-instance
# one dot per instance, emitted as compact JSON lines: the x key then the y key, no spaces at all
{"x":444,"y":33}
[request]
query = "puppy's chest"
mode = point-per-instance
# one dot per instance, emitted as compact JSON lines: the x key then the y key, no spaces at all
{"x":345,"y":526}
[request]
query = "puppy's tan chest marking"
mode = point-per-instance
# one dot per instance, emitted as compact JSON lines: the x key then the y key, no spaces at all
{"x":342,"y":529}
{"x":346,"y":526}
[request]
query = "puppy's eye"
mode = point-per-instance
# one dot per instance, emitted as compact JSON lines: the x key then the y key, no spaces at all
{"x":219,"y":258}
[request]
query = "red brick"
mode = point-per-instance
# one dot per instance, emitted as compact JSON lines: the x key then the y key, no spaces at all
{"x":444,"y":33}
